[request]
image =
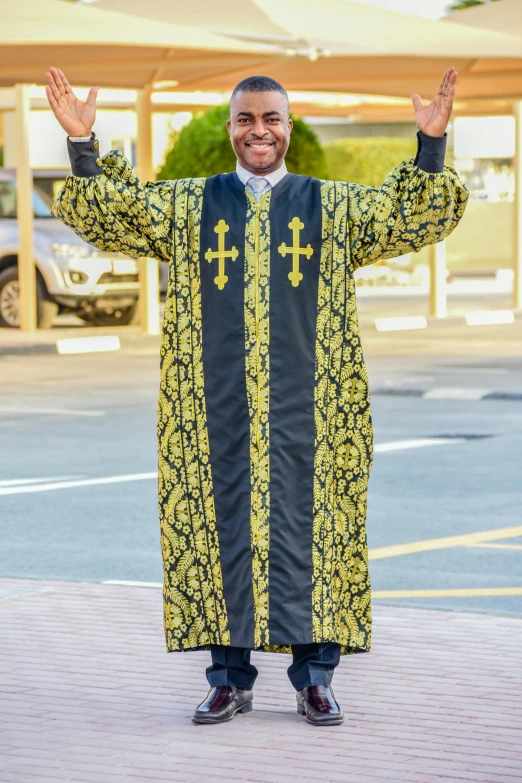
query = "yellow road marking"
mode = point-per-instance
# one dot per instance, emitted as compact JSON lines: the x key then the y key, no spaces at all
{"x":450,"y":593}
{"x":500,"y":546}
{"x":466,"y":539}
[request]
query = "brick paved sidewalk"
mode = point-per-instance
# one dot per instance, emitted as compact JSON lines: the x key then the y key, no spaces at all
{"x":88,"y":694}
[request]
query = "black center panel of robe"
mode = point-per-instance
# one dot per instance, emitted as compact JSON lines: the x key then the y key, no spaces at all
{"x":226,"y":399}
{"x":293,"y":313}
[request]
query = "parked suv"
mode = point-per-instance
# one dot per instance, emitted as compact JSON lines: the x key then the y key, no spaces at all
{"x":72,"y":276}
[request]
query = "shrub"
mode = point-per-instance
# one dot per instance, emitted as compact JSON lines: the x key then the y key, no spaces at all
{"x":203,"y":149}
{"x":367,"y":161}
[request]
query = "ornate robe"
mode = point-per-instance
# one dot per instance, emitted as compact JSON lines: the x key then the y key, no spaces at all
{"x":264,"y":423}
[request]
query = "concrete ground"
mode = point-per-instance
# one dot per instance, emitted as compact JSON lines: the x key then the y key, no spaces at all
{"x":88,"y":692}
{"x":89,"y":695}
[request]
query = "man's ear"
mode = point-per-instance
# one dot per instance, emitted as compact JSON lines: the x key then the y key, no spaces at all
{"x":229,"y":127}
{"x":290,"y":124}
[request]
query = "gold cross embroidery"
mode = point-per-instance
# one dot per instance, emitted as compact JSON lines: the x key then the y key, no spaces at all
{"x":295,"y":275}
{"x":221,"y":229}
{"x":353,"y":389}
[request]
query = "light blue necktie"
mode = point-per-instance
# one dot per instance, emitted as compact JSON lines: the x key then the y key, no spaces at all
{"x":257,"y":185}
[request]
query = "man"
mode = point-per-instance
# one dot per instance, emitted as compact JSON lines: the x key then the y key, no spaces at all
{"x":264,"y":425}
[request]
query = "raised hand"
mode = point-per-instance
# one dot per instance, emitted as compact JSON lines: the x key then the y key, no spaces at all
{"x":433,"y":119}
{"x":76,"y":117}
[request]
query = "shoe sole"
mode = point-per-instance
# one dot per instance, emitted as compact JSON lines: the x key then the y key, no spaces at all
{"x":327,"y":722}
{"x":243,"y":708}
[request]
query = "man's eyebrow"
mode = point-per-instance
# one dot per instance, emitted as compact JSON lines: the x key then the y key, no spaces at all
{"x":251,"y":113}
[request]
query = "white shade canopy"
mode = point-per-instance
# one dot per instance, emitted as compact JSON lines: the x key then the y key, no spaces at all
{"x":107,"y":49}
{"x":339,"y":46}
{"x":333,"y":46}
{"x":504,"y":17}
{"x":340,"y":26}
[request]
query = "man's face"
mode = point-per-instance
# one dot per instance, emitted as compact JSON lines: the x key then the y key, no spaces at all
{"x":259,"y":128}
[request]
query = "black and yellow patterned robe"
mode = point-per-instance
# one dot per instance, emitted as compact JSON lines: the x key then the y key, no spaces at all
{"x":264,"y":424}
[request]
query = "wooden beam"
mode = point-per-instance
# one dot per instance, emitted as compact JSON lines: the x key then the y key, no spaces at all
{"x":24,"y":213}
{"x":438,"y":288}
{"x":517,"y":280}
{"x":148,"y":267}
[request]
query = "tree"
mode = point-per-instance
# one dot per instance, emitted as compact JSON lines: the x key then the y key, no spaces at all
{"x":460,"y":5}
{"x":203,"y":149}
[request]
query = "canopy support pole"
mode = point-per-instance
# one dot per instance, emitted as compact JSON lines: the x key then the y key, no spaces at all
{"x":148,"y":302}
{"x":438,"y":288}
{"x":517,"y":279}
{"x":24,"y":212}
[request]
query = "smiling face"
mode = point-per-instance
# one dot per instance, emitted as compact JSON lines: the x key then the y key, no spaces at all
{"x":259,"y":128}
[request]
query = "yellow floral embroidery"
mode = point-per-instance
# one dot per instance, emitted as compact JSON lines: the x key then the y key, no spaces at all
{"x":341,"y":608}
{"x":116,"y":212}
{"x":194,"y":607}
{"x":257,"y":343}
{"x":410,"y":210}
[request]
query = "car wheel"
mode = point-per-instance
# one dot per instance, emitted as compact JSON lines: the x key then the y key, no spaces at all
{"x":123,"y":317}
{"x":10,"y":302}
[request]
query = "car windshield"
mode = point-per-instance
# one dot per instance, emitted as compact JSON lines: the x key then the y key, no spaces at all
{"x":42,"y":202}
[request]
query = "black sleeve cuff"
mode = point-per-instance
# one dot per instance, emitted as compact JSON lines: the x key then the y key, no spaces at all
{"x":431,"y":151}
{"x":85,"y":157}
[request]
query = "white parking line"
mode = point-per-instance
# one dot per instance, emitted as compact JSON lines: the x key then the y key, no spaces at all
{"x":21,"y":482}
{"x":24,"y":486}
{"x":130,"y":583}
{"x":51,"y":411}
{"x":416,"y":443}
{"x":454,"y":393}
{"x":88,"y":344}
{"x":471,"y":370}
{"x":80,"y":483}
{"x":400,"y":322}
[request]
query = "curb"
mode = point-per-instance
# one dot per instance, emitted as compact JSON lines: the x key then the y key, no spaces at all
{"x":441,"y":393}
{"x":78,"y":345}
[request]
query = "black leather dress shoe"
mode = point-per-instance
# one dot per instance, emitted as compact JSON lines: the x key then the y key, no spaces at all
{"x":222,"y":703}
{"x":317,"y":703}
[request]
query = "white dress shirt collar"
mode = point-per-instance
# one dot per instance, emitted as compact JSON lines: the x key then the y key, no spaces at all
{"x":272,"y":179}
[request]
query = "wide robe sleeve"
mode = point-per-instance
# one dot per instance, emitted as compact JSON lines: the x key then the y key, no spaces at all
{"x":420,"y":202}
{"x":105,"y":203}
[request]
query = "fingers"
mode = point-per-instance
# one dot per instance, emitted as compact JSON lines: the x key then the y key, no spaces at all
{"x":449,"y":78}
{"x":417,"y":102}
{"x":50,"y":97}
{"x":446,"y":106}
{"x":65,"y":83}
{"x":442,"y":85}
{"x":91,"y":98}
{"x":58,"y":80}
{"x":451,"y":88}
{"x":52,"y":85}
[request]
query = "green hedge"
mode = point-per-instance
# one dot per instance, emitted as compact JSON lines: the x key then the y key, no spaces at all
{"x":203,"y":149}
{"x":367,"y":161}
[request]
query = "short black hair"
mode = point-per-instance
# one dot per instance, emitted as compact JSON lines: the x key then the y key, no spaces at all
{"x":259,"y":84}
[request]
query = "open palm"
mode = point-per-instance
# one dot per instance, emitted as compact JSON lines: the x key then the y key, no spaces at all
{"x":433,"y":118}
{"x":76,"y":117}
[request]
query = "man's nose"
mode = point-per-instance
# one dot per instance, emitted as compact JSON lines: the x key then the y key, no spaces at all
{"x":258,"y":128}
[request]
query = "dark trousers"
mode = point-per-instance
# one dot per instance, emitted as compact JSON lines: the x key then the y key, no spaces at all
{"x":313,"y":664}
